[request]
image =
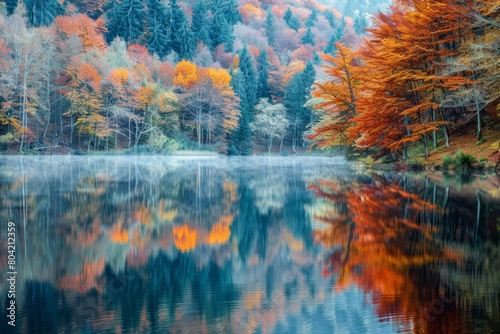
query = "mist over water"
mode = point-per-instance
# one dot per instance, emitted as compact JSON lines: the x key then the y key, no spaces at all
{"x":258,"y":244}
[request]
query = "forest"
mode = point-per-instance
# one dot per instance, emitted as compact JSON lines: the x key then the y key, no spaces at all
{"x":248,"y":76}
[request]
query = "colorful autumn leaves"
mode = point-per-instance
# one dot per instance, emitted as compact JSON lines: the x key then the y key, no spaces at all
{"x":393,"y":90}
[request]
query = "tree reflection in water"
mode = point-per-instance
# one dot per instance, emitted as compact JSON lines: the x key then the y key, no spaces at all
{"x":249,"y":245}
{"x":414,"y":246}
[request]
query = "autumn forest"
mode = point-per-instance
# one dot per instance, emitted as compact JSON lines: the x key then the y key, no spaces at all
{"x":244,"y":77}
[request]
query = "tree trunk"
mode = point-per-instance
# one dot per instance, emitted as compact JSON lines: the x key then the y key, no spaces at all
{"x":434,"y":132}
{"x":71,"y":130}
{"x":425,"y":145}
{"x":445,"y":130}
{"x":479,"y":131}
{"x":270,"y":145}
{"x":25,"y":92}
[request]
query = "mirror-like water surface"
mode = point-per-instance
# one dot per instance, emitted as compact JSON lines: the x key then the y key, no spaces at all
{"x":246,"y":245}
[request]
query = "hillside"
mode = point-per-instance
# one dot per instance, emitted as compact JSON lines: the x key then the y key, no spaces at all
{"x":105,"y":75}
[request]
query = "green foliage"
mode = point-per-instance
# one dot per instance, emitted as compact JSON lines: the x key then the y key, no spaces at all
{"x":263,"y":90}
{"x":233,"y":15}
{"x":308,"y":37}
{"x":126,"y":19}
{"x":158,"y":28}
{"x":459,"y":160}
{"x":41,"y":12}
{"x":360,"y":23}
{"x":291,"y":20}
{"x":448,"y":160}
{"x":465,"y":160}
{"x":220,"y":29}
{"x":416,"y":163}
{"x":270,"y":27}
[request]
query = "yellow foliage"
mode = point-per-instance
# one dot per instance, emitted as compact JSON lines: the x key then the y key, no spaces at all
{"x":220,"y":78}
{"x":185,"y":73}
{"x":219,"y":234}
{"x":117,"y":234}
{"x":118,"y":76}
{"x":236,"y":62}
{"x":184,"y":238}
{"x":146,"y":95}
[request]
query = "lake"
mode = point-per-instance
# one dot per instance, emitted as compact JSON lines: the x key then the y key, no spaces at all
{"x":153,"y":244}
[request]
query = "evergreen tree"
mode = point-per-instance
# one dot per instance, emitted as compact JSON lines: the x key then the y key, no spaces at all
{"x":291,"y":20}
{"x":328,"y":14}
{"x":10,"y":6}
{"x":126,"y":20}
{"x":288,"y":14}
{"x":244,"y":84}
{"x":308,"y":37}
{"x":182,"y":41}
{"x":42,"y":12}
{"x":158,"y":28}
{"x":220,"y":31}
{"x":296,"y":95}
{"x":336,"y":36}
{"x":199,"y":24}
{"x":311,"y":20}
{"x":360,"y":23}
{"x":233,"y":15}
{"x":308,"y":76}
{"x":270,"y":27}
{"x":263,"y":76}
{"x":247,"y":68}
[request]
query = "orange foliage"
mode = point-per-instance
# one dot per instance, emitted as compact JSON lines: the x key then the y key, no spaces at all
{"x":295,"y":66}
{"x":86,"y":74}
{"x":166,"y":74}
{"x":340,"y":95}
{"x":220,"y":78}
{"x":249,"y":12}
{"x":139,"y":54}
{"x":367,"y":240}
{"x":118,"y":76}
{"x":219,"y":233}
{"x":185,"y":74}
{"x":184,"y":238}
{"x":88,"y":30}
{"x":118,"y":234}
{"x":85,"y":280}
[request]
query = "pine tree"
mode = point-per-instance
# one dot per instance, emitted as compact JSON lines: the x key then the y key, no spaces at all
{"x":158,"y":28}
{"x":270,"y":27}
{"x":10,"y":6}
{"x":220,"y":31}
{"x":42,"y":12}
{"x":308,"y":37}
{"x":296,"y":94}
{"x":336,"y":36}
{"x":263,"y":74}
{"x":247,"y":69}
{"x":233,"y":15}
{"x":360,"y":23}
{"x":330,"y":18}
{"x":244,"y":84}
{"x":311,"y":20}
{"x":291,"y":20}
{"x":199,"y":24}
{"x":288,"y":14}
{"x":126,"y":20}
{"x":182,"y":41}
{"x":308,"y":76}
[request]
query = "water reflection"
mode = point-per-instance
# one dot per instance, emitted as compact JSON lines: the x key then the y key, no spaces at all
{"x":255,"y":245}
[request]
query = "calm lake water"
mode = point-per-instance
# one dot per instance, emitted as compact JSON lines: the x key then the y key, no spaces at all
{"x":247,"y":245}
